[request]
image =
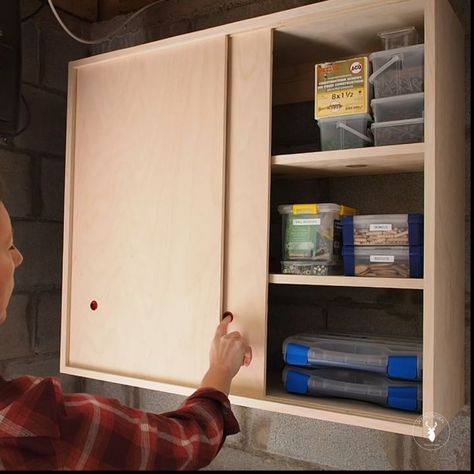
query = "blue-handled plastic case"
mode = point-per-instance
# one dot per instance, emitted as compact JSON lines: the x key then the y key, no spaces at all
{"x":354,"y":384}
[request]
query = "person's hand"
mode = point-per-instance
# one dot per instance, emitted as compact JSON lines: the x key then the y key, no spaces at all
{"x":229,"y":351}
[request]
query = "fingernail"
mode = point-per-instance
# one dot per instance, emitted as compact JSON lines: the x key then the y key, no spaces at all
{"x":228,"y":313}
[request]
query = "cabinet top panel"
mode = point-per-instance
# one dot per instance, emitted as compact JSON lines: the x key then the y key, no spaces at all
{"x":308,"y":33}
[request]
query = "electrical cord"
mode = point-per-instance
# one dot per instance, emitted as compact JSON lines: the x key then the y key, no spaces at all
{"x":81,"y":40}
{"x":105,"y":38}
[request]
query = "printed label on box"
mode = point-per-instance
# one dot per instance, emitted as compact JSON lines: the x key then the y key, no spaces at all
{"x":382,"y":258}
{"x":342,"y":88}
{"x":315,"y":221}
{"x":374,"y":227}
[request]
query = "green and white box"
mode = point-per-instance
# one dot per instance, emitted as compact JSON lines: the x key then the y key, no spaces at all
{"x":312,"y":231}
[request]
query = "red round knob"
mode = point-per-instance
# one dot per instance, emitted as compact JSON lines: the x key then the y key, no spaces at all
{"x":93,"y":305}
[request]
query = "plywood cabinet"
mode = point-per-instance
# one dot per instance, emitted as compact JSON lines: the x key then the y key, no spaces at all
{"x":170,"y":188}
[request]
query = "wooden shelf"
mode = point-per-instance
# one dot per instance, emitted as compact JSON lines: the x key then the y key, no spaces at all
{"x":406,"y":158}
{"x":367,"y":282}
{"x":342,"y":410}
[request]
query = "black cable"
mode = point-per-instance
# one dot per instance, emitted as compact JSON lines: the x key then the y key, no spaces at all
{"x":26,"y":18}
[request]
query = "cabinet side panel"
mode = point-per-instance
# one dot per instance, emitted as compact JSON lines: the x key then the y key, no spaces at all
{"x":67,"y":228}
{"x":147,"y":212}
{"x":444,"y":211}
{"x":247,"y":198}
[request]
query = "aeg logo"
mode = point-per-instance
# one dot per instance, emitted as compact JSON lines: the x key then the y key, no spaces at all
{"x":356,"y":67}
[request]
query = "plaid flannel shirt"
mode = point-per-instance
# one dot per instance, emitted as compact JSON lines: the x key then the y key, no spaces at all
{"x":42,"y":428}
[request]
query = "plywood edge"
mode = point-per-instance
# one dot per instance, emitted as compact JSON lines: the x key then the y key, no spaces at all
{"x":333,"y":280}
{"x":68,"y":221}
{"x":124,"y":380}
{"x":444,"y":298}
{"x":405,"y":426}
{"x":405,"y":157}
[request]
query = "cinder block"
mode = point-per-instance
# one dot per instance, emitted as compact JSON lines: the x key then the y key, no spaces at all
{"x":230,"y":459}
{"x":122,"y":393}
{"x":168,"y":29}
{"x":374,"y":194}
{"x":15,"y":331}
{"x":453,"y":456}
{"x":155,"y":401}
{"x":41,"y":366}
{"x":379,"y":320}
{"x":30,"y":58}
{"x":47,"y":129}
{"x":333,"y":444}
{"x":57,"y":49}
{"x":131,"y":35}
{"x":41,"y":245}
{"x":16,"y":177}
{"x":48,"y":322}
{"x":52,"y":188}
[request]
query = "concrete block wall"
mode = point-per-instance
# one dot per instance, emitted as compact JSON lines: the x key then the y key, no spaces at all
{"x":33,"y":167}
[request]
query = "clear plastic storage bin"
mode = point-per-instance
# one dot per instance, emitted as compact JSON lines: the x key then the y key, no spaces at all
{"x":398,"y":131}
{"x":388,"y":262}
{"x":312,"y":232}
{"x":346,"y":131}
{"x":355,"y":385}
{"x":398,"y":71}
{"x":307,"y":267}
{"x":399,"y":38}
{"x":398,"y":107}
{"x":397,"y":358}
{"x":383,"y":229}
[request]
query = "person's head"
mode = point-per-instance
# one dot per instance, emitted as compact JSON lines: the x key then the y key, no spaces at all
{"x":10,"y":258}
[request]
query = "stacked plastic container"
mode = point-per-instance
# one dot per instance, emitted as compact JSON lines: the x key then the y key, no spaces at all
{"x":378,"y":369}
{"x":342,"y":103}
{"x":383,"y":245}
{"x":311,"y":238}
{"x":398,"y":81}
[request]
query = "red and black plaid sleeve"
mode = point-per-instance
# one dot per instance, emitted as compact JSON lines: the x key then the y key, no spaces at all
{"x":43,"y":428}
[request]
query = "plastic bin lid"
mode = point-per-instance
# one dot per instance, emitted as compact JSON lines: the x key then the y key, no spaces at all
{"x":397,"y":123}
{"x":411,"y":218}
{"x":407,"y":30}
{"x":366,"y":249}
{"x":316,"y":208}
{"x":417,"y":96}
{"x":346,"y":117}
{"x":391,"y":52}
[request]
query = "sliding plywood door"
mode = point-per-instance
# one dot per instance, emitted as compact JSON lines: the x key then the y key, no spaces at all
{"x":248,"y":200}
{"x":144,"y":213}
